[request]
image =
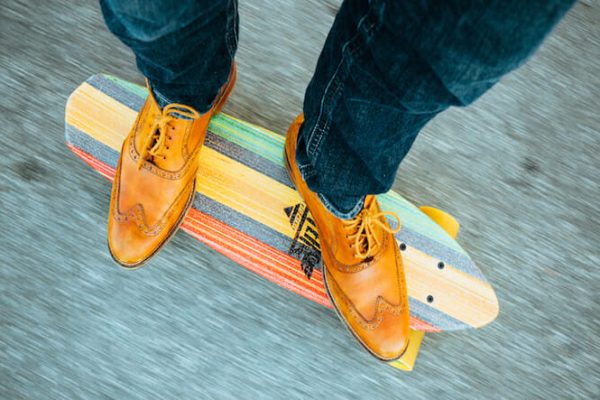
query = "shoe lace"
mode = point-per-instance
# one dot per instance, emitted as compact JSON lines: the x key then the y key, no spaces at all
{"x":155,"y":144}
{"x":362,"y":235}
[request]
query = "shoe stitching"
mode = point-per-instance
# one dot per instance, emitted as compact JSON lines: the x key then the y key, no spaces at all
{"x":137,"y":213}
{"x":135,"y":155}
{"x":362,"y":265}
{"x":381,"y":307}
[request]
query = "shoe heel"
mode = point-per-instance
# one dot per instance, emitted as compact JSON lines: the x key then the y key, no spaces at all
{"x":288,"y":168}
{"x":228,"y":89}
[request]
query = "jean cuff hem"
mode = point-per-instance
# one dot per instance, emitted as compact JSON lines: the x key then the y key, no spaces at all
{"x":160,"y":98}
{"x":164,"y":101}
{"x":339,"y":214}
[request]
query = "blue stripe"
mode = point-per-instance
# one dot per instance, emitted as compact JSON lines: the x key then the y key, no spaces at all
{"x":117,"y":92}
{"x":248,"y":158}
{"x":434,"y":317}
{"x":95,"y":148}
{"x":439,"y":252}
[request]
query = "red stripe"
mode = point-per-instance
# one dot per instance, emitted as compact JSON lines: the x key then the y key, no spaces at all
{"x":418,"y":325}
{"x":229,"y":241}
{"x":260,"y":258}
{"x":106,"y":170}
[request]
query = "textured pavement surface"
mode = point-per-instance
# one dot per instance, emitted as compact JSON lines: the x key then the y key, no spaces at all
{"x":520,"y":170}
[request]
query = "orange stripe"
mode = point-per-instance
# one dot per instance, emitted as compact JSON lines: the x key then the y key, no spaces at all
{"x":247,"y":251}
{"x":104,"y":169}
{"x":418,"y":325}
{"x":253,"y":262}
{"x":270,"y":256}
{"x":247,"y":248}
{"x":273,"y":254}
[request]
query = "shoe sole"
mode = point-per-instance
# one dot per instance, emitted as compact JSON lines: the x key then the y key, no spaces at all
{"x":223,"y":97}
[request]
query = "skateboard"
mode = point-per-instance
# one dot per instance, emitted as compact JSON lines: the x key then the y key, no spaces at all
{"x":246,"y":208}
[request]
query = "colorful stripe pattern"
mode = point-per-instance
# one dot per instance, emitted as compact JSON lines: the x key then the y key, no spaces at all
{"x":243,"y":195}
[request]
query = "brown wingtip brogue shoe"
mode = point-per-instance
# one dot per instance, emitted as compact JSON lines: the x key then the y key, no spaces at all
{"x":154,"y":183}
{"x":363,"y":270}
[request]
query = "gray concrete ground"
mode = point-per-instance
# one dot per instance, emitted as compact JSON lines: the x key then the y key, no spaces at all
{"x":520,"y":169}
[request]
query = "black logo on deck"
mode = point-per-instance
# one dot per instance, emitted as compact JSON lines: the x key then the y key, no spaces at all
{"x":305,"y":245}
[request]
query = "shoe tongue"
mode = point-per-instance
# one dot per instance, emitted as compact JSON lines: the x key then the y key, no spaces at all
{"x":177,"y":115}
{"x":369,"y":199}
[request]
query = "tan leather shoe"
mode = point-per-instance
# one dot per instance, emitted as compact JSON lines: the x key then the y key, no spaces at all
{"x":363,"y":271}
{"x":155,"y":179}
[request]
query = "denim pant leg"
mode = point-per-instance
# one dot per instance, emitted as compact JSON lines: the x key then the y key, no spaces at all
{"x":184,"y":47}
{"x":388,"y":67}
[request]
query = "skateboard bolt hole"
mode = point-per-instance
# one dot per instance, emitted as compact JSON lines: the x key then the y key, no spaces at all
{"x":430,"y":299}
{"x":402,"y":246}
{"x":441,"y":265}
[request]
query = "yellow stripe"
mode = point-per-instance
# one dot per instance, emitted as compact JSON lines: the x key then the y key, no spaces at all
{"x":245,"y":190}
{"x":100,"y":116}
{"x":455,"y":293}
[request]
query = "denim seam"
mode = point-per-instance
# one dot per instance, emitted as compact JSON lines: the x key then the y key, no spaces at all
{"x":348,"y":215}
{"x":161,"y":99}
{"x":231,"y":38}
{"x":322,"y":125}
{"x":306,"y":171}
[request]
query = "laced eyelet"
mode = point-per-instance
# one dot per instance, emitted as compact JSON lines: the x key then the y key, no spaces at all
{"x":364,"y":240}
{"x":156,"y":141}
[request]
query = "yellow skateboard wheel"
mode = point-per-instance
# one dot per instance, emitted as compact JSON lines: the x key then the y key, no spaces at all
{"x":446,"y":221}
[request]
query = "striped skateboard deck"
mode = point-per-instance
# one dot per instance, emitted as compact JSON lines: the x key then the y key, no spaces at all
{"x":247,"y":209}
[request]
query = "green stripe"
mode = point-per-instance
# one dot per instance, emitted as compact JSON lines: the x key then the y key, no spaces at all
{"x":251,"y":137}
{"x":415,"y":220}
{"x":131,"y":87}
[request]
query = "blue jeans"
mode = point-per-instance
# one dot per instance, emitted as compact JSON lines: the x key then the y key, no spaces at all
{"x":386,"y":69}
